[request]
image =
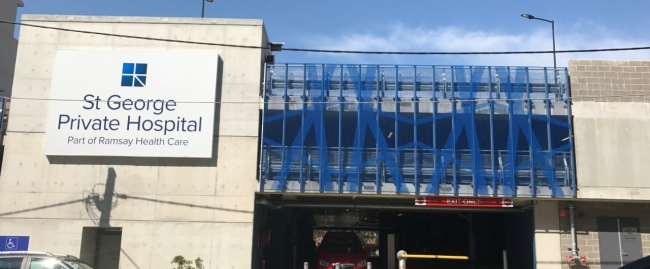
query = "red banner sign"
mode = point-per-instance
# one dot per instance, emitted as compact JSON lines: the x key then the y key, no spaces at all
{"x":462,"y":201}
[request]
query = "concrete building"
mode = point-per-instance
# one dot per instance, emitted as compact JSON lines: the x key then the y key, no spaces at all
{"x":8,"y":47}
{"x":605,"y":196}
{"x":8,"y":44}
{"x":454,"y":160}
{"x":611,"y":119}
{"x":116,"y":152}
{"x":138,"y":212}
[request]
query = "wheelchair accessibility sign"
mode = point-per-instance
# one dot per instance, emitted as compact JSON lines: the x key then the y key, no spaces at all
{"x":11,"y":243}
{"x":14,"y":243}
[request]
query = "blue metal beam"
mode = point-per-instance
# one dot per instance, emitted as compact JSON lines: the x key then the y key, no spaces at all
{"x":492,"y":153}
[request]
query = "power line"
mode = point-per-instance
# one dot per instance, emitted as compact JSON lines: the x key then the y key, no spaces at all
{"x":466,"y":53}
{"x":131,"y":36}
{"x":299,"y":102}
{"x":330,"y":50}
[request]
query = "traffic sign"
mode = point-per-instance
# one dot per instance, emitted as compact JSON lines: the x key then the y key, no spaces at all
{"x":463,"y":201}
{"x":14,"y":243}
{"x":562,"y":213}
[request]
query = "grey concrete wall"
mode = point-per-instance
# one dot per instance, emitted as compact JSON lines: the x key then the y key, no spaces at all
{"x":8,"y":44}
{"x":611,"y":110}
{"x":547,"y":235}
{"x":587,"y":230}
{"x":165,"y":207}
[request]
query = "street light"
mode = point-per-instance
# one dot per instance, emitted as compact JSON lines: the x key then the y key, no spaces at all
{"x":531,"y":17}
{"x":203,"y":7}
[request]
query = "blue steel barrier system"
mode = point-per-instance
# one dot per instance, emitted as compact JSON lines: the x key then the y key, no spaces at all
{"x":437,"y":130}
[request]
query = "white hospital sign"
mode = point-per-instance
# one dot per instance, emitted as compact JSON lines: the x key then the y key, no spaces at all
{"x":132,"y":104}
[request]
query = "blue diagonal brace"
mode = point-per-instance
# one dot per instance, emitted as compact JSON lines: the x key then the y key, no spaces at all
{"x":543,"y":160}
{"x":281,"y":177}
{"x":388,"y":156}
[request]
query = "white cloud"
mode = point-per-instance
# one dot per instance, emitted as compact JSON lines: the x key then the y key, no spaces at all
{"x":583,"y":35}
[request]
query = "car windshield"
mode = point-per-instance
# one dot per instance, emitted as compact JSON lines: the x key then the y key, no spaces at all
{"x":341,"y":245}
{"x":77,"y":264}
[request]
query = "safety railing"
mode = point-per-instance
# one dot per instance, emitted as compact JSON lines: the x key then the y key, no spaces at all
{"x":339,"y":266}
{"x":402,"y":256}
{"x":441,"y":82}
{"x":272,"y":164}
{"x":366,"y":168}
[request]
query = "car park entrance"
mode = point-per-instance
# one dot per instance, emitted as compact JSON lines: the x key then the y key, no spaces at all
{"x":322,"y":230}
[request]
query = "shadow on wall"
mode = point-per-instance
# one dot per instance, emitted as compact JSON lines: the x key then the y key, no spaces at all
{"x":109,"y":200}
{"x":105,"y":202}
{"x":143,"y":161}
{"x":105,"y":205}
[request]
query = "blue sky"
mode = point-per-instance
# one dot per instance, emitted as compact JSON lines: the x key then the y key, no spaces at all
{"x":410,"y":25}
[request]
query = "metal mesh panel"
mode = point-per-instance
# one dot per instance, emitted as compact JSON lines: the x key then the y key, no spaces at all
{"x":416,"y":129}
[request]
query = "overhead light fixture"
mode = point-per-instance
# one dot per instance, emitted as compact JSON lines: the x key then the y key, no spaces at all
{"x":531,"y":17}
{"x":528,"y":16}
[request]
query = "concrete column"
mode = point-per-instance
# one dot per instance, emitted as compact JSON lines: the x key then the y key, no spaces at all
{"x":391,"y":251}
{"x":548,"y":254}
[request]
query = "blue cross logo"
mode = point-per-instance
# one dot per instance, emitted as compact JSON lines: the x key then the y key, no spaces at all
{"x":134,"y":75}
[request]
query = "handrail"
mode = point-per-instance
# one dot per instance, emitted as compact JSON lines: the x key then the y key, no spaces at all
{"x":402,"y":256}
{"x":423,"y":256}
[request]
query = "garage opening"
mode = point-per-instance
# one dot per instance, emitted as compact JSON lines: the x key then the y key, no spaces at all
{"x":323,"y":232}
